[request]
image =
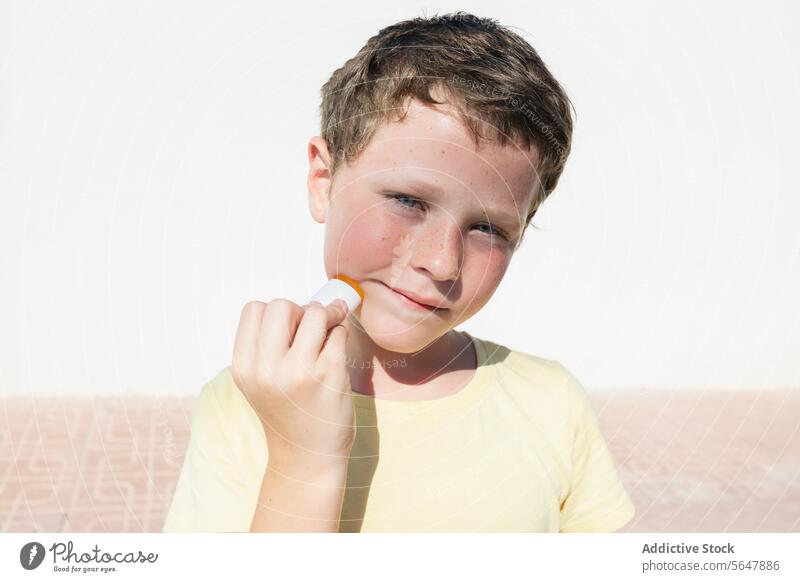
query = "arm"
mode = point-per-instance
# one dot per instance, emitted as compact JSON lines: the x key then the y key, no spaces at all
{"x":218,"y":484}
{"x":291,"y":370}
{"x":301,"y":496}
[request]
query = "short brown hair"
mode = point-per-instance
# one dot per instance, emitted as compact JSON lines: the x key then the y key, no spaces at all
{"x":491,"y":75}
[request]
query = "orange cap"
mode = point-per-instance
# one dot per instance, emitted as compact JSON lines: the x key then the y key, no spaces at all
{"x":353,"y":283}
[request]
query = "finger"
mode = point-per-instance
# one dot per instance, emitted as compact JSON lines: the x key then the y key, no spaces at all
{"x":334,"y":352}
{"x":278,"y":326}
{"x":313,"y":329}
{"x":332,"y":363}
{"x":245,"y":344}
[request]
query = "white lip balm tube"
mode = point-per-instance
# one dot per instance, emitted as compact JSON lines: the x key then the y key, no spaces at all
{"x":340,"y":287}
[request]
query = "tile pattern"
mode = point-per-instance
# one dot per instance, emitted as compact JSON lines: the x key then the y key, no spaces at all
{"x":698,"y":462}
{"x":706,"y":461}
{"x":90,"y":465}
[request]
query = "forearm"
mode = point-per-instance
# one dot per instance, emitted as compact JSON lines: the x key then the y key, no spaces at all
{"x":302,"y":496}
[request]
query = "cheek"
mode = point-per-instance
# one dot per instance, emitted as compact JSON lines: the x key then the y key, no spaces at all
{"x":361,"y":242}
{"x":482,"y":274}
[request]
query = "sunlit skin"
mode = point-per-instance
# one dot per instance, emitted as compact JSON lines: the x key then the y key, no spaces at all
{"x":453,"y":244}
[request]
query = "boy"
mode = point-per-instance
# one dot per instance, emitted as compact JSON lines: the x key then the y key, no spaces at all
{"x":440,"y":139}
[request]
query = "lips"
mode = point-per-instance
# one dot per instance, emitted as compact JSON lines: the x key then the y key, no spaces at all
{"x":420,"y":300}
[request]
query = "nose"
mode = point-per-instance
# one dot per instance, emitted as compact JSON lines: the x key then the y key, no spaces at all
{"x":439,"y":250}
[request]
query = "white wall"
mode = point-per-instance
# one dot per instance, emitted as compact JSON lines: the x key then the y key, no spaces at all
{"x":157,"y":156}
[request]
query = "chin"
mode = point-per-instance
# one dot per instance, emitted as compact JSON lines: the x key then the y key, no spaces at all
{"x":399,"y":336}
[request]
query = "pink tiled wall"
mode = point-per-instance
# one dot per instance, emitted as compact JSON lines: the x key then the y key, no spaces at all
{"x":703,"y":461}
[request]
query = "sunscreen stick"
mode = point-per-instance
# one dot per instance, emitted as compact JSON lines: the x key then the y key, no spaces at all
{"x":340,"y":287}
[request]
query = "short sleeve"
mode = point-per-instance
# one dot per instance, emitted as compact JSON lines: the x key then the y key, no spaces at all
{"x":597,"y":500}
{"x":212,"y":493}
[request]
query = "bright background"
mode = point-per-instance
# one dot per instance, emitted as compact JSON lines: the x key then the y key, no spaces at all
{"x":154,"y":180}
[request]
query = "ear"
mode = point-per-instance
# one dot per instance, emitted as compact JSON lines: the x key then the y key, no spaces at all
{"x":319,"y":178}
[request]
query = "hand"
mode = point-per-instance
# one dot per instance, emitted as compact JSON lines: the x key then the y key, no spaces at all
{"x":293,"y":374}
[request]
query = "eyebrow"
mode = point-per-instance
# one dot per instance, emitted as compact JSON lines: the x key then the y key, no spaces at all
{"x":495,"y":213}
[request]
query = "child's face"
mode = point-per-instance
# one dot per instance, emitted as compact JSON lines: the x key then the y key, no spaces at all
{"x":446,"y":246}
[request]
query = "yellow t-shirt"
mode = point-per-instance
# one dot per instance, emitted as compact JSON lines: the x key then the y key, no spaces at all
{"x":517,"y":449}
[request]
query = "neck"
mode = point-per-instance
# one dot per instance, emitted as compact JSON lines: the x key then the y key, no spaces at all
{"x":378,"y":372}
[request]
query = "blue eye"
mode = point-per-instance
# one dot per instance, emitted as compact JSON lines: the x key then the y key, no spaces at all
{"x":495,"y":231}
{"x":407,"y":202}
{"x":399,"y":197}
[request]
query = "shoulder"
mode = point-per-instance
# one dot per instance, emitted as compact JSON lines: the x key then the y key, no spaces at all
{"x":543,"y":388}
{"x":221,"y":409}
{"x":222,"y":393}
{"x":544,"y":375}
